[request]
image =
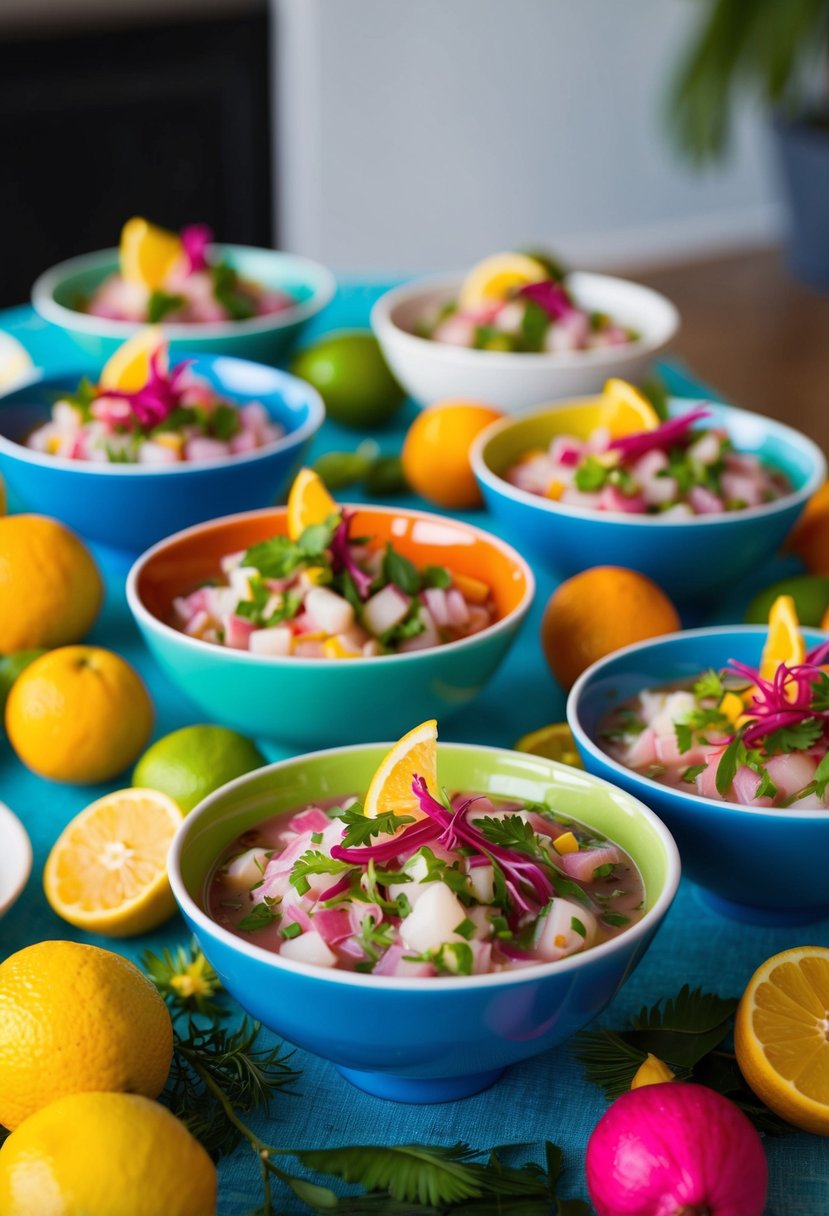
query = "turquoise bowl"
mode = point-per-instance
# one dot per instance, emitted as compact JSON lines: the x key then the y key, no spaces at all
{"x":261,"y":339}
{"x":131,"y":506}
{"x":692,"y":559}
{"x":407,"y":1039}
{"x":764,"y":866}
{"x":313,"y":702}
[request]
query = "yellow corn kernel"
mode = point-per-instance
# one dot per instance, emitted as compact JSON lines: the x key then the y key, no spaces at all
{"x":307,"y":637}
{"x":651,"y":1071}
{"x":168,"y":439}
{"x":555,"y":490}
{"x":315,"y":574}
{"x":334,"y":649}
{"x":472,"y":589}
{"x":566,"y":843}
{"x":732,"y":706}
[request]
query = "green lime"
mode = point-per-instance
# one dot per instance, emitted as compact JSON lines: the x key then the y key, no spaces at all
{"x":809,"y":592}
{"x":10,"y":668}
{"x":349,"y":372}
{"x":191,"y":763}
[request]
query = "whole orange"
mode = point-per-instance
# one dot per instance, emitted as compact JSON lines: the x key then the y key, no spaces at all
{"x":79,"y":714}
{"x":436,"y":452}
{"x":810,"y":538}
{"x":597,"y":612}
{"x":50,"y":588}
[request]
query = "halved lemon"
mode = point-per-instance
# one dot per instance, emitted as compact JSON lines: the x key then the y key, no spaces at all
{"x":129,"y":368}
{"x":107,"y":872}
{"x":308,"y":503}
{"x":555,"y":742}
{"x":495,"y":277}
{"x":624,"y":410}
{"x":784,"y":643}
{"x":147,"y":253}
{"x":781,"y":1036}
{"x":415,"y":755}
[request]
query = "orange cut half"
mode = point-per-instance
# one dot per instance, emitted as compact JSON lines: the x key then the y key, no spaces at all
{"x":147,"y":253}
{"x":784,"y":643}
{"x":626,"y":411}
{"x":308,"y":503}
{"x":415,"y":755}
{"x":128,"y":369}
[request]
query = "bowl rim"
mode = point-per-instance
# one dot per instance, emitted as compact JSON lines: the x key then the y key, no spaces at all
{"x":45,"y":304}
{"x":285,"y":443}
{"x":648,"y":785}
{"x":642,"y":928}
{"x":12,"y":827}
{"x":487,"y":476}
{"x":383,"y":325}
{"x":148,"y":620}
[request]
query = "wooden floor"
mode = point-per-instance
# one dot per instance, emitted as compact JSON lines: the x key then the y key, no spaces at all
{"x":755,"y":333}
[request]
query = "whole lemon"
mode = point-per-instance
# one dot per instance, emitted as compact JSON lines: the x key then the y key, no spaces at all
{"x":597,"y":612}
{"x":80,"y":714}
{"x":191,"y":763}
{"x":50,"y":588}
{"x":75,"y":1018}
{"x":436,"y":452}
{"x":105,"y":1154}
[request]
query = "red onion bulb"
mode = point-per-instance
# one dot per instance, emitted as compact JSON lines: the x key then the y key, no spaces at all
{"x":676,"y":1149}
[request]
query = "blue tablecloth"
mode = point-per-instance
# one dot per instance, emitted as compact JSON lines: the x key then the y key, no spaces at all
{"x":547,"y":1097}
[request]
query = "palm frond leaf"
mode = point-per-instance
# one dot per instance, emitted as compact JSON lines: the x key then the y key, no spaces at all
{"x":408,"y":1172}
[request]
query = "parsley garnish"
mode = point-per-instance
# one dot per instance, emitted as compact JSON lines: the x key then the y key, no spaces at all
{"x":160,"y":304}
{"x":228,"y":290}
{"x":314,"y":862}
{"x":399,"y":570}
{"x":280,"y":556}
{"x":360,"y":828}
{"x":259,"y":917}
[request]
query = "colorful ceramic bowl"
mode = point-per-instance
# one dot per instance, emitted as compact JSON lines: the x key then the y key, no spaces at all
{"x":691,"y":558}
{"x":308,"y":702}
{"x":15,"y":858}
{"x":261,"y":339}
{"x":131,"y":506}
{"x":432,"y":371}
{"x":422,"y":1040}
{"x":762,"y":865}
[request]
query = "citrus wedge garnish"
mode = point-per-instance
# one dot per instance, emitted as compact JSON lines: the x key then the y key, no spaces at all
{"x":415,"y":755}
{"x":784,"y":643}
{"x":495,"y":277}
{"x":625,"y":411}
{"x":147,"y":253}
{"x":107,"y":872}
{"x":129,"y":368}
{"x":781,"y":1036}
{"x":308,"y":503}
{"x":554,"y":742}
{"x":15,"y":360}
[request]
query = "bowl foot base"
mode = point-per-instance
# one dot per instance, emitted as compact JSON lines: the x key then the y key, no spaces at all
{"x":750,"y":914}
{"x":420,"y":1089}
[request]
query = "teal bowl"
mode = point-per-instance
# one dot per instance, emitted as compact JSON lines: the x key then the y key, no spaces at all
{"x":314,"y":702}
{"x":692,"y":559}
{"x":755,"y":864}
{"x":261,"y":339}
{"x":422,"y":1040}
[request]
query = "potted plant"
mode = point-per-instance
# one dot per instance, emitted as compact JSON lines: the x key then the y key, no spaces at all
{"x":778,"y":49}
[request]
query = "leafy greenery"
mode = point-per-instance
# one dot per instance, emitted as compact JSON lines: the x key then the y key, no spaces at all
{"x":360,"y":828}
{"x":378,"y":474}
{"x":279,"y":556}
{"x":230,"y":292}
{"x":160,"y":304}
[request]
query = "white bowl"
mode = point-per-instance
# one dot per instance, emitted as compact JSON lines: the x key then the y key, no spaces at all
{"x":432,"y":371}
{"x":15,"y":858}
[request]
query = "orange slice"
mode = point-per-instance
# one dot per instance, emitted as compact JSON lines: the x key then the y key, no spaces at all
{"x":625,"y":411}
{"x":147,"y":253}
{"x":107,"y":872}
{"x":784,"y":643}
{"x":308,"y":503}
{"x":416,"y":754}
{"x":556,"y":742}
{"x":781,"y":1036}
{"x":495,"y":277}
{"x":129,"y":368}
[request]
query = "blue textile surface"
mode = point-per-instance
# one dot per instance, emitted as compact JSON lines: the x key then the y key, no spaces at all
{"x":547,"y":1097}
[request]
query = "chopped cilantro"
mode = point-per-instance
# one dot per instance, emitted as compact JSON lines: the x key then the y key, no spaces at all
{"x":360,"y":829}
{"x":591,"y":475}
{"x":229,"y":292}
{"x":534,"y":326}
{"x":692,"y":772}
{"x":466,"y":928}
{"x":577,"y":926}
{"x":399,"y":570}
{"x":616,"y":919}
{"x":225,"y":422}
{"x":314,"y":862}
{"x":436,"y":576}
{"x":160,"y":304}
{"x":709,"y":685}
{"x":259,"y":917}
{"x":603,"y":871}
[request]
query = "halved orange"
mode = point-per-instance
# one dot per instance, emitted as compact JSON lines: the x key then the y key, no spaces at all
{"x":416,"y":754}
{"x":625,"y":411}
{"x":129,"y":368}
{"x":784,"y":643}
{"x":147,"y":253}
{"x":496,"y":276}
{"x":781,"y":1036}
{"x":308,"y":503}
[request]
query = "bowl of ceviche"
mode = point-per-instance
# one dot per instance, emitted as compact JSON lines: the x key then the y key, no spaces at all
{"x":517,"y":330}
{"x":218,"y":298}
{"x":424,"y":916}
{"x":725,"y":733}
{"x":695,"y":500}
{"x":319,"y":623}
{"x":154,"y":443}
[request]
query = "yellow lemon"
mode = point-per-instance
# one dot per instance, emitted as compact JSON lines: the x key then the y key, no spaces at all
{"x":79,"y":713}
{"x":107,"y":872}
{"x":50,"y":588}
{"x":495,"y":277}
{"x":129,"y":368}
{"x":15,"y":361}
{"x":780,"y":1036}
{"x":784,"y":643}
{"x":416,"y":754}
{"x":308,"y":503}
{"x":75,"y":1018}
{"x":625,"y":411}
{"x":147,"y":253}
{"x":104,"y":1154}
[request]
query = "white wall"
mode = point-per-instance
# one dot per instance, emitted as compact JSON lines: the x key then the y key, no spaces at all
{"x":423,"y":134}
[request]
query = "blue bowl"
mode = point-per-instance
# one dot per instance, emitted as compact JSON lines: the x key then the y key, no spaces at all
{"x":692,"y":559}
{"x":262,"y":339}
{"x":131,"y":506}
{"x":765,"y":866}
{"x":407,"y":1039}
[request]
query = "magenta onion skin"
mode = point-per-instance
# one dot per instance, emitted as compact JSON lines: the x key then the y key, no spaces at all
{"x":676,"y":1149}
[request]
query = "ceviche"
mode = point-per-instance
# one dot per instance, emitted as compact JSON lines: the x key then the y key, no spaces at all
{"x":441,"y":885}
{"x":759,"y":737}
{"x":521,"y":303}
{"x":180,"y":278}
{"x":165,"y":416}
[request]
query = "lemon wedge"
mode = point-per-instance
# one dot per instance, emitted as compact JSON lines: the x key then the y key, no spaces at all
{"x":308,"y":503}
{"x":147,"y":253}
{"x":414,"y":755}
{"x":625,"y":411}
{"x":129,"y":368}
{"x":784,"y":643}
{"x":495,"y":277}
